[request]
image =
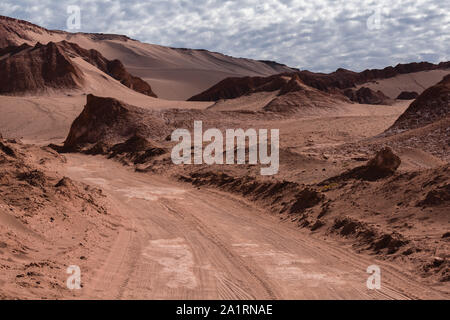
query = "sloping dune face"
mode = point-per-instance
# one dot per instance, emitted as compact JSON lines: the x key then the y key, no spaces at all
{"x":174,"y":74}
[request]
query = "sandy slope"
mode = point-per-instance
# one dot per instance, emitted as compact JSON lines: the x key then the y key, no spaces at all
{"x":175,"y":74}
{"x":47,"y":223}
{"x":417,"y":81}
{"x":201,"y":244}
{"x":46,"y":118}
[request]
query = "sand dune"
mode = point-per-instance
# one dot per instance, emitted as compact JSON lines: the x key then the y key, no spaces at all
{"x":175,"y":74}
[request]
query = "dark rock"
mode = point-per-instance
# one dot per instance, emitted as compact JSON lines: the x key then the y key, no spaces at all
{"x":35,"y":178}
{"x":436,"y":197}
{"x":367,"y":96}
{"x":7,"y":150}
{"x":384,"y":164}
{"x":307,"y":198}
{"x":319,"y":224}
{"x":407,"y":95}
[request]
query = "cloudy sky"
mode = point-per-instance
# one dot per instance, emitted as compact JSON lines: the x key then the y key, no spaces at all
{"x":320,"y":35}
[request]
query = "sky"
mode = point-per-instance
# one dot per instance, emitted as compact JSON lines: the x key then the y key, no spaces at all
{"x":319,"y":35}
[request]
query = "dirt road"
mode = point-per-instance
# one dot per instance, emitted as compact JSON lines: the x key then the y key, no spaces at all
{"x":184,"y":243}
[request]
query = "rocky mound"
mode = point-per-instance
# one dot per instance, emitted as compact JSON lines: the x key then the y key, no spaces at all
{"x":279,"y":196}
{"x":344,"y":79}
{"x":231,"y":88}
{"x":367,"y":96}
{"x":295,"y":96}
{"x":117,"y":70}
{"x":110,"y":121}
{"x":407,"y":95}
{"x":134,"y":151}
{"x":294,"y":85}
{"x":34,"y":69}
{"x":31,"y":69}
{"x":431,"y":106}
{"x":383,"y":165}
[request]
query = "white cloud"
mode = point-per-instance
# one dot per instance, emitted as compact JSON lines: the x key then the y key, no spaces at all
{"x":317,"y":35}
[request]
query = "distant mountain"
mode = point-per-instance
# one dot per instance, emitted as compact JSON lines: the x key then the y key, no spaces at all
{"x":173,"y":73}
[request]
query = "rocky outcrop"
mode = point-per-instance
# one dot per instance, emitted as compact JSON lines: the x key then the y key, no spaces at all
{"x":335,"y":82}
{"x":38,"y":68}
{"x":292,"y":96}
{"x":294,"y":85}
{"x":110,"y":121}
{"x":344,"y":79}
{"x":431,"y":106}
{"x":367,"y":96}
{"x":231,"y":88}
{"x":278,"y":196}
{"x":407,"y":95}
{"x":31,"y":69}
{"x":295,"y":96}
{"x":384,"y":164}
{"x":137,"y":149}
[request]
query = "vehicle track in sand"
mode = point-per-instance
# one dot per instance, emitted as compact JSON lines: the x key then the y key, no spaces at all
{"x":179,"y":242}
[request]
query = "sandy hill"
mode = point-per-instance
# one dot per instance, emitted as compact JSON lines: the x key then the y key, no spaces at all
{"x":278,"y":93}
{"x":175,"y":74}
{"x":28,"y":69}
{"x":295,"y":95}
